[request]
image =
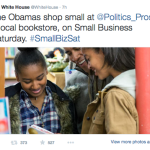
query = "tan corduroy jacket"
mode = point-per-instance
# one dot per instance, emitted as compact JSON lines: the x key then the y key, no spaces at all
{"x":113,"y":112}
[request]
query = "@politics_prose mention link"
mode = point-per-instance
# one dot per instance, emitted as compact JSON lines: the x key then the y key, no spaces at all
{"x":55,"y":38}
{"x":123,"y":17}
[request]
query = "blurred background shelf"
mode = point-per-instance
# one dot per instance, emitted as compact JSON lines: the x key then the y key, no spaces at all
{"x":9,"y":57}
{"x":58,"y":78}
{"x":10,"y":53}
{"x":10,"y":78}
{"x":2,"y":69}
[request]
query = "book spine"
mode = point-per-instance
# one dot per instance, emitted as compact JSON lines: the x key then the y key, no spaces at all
{"x":6,"y":68}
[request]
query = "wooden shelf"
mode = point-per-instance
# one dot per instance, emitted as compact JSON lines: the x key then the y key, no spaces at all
{"x":58,"y":78}
{"x":2,"y":70}
{"x":9,"y":57}
{"x":10,"y":78}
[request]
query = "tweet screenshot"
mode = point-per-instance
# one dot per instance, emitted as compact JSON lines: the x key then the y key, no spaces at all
{"x":74,"y":74}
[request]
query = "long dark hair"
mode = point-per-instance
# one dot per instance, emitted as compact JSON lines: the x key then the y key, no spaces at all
{"x":28,"y":56}
{"x":121,"y":59}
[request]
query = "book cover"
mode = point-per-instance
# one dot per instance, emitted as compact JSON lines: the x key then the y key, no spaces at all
{"x":33,"y":129}
{"x":4,"y":116}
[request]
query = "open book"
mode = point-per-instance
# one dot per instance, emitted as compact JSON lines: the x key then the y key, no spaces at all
{"x":33,"y":129}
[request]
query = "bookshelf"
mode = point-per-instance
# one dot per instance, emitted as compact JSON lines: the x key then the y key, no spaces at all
{"x":10,"y":53}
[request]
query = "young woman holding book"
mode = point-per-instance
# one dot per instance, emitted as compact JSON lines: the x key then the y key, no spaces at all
{"x":35,"y":100}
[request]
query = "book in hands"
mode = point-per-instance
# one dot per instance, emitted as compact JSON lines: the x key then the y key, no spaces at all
{"x":33,"y":129}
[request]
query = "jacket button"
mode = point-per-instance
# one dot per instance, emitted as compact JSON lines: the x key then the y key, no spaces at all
{"x":97,"y":110}
{"x":88,"y":118}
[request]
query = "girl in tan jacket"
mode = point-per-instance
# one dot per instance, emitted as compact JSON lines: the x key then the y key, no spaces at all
{"x":114,"y":110}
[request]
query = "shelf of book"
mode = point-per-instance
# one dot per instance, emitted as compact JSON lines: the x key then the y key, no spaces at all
{"x":10,"y":53}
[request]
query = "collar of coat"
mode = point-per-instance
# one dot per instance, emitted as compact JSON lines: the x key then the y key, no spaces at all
{"x":15,"y":89}
{"x":61,"y":102}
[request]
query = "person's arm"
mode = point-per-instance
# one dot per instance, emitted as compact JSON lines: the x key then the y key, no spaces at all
{"x":119,"y":113}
